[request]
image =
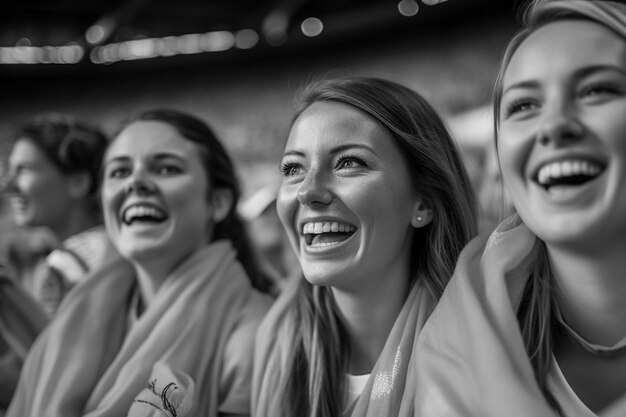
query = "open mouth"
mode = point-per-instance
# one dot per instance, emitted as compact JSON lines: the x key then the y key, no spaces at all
{"x":18,"y":203}
{"x":569,"y":172}
{"x":143,"y":213}
{"x":320,"y":234}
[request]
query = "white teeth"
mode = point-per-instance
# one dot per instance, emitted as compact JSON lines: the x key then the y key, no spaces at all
{"x":567,"y":169}
{"x":17,"y":203}
{"x":325,"y":227}
{"x":142,"y":211}
{"x":324,"y":244}
{"x":555,"y":170}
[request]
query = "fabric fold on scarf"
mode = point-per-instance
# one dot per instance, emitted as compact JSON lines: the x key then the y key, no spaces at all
{"x":21,"y":321}
{"x":391,"y":387}
{"x":473,"y":362}
{"x":87,"y":363}
{"x":21,"y":316}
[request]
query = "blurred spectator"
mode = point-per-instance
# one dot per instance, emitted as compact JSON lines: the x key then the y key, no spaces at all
{"x":275,"y":255}
{"x":494,"y":201}
{"x":52,"y":182}
{"x":473,"y":130}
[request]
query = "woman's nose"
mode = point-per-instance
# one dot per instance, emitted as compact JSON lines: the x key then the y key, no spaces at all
{"x":314,"y":189}
{"x":140,"y":184}
{"x":559,"y":123}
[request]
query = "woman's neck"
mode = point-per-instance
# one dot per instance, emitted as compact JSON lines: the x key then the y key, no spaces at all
{"x":591,"y":292}
{"x":369,"y":316}
{"x":154,"y":269}
{"x":149,"y":282}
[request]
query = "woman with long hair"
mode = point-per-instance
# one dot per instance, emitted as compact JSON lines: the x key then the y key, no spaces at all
{"x":168,"y":329}
{"x":377,"y":206}
{"x":534,"y":321}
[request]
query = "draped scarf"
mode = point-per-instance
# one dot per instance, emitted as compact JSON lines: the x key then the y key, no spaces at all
{"x":391,"y":387}
{"x":21,"y":317}
{"x":87,"y":363}
{"x":473,"y":362}
{"x":21,"y":321}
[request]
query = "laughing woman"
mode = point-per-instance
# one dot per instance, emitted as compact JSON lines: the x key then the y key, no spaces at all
{"x":168,"y":330}
{"x":377,"y":206}
{"x":534,"y":321}
{"x":52,"y":183}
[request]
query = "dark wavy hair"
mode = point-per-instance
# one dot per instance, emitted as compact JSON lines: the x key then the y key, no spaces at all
{"x":220,"y":172}
{"x":73,"y":146}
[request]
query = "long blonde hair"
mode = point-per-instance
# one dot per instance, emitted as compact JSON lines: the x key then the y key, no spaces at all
{"x":536,"y":311}
{"x":312,"y":383}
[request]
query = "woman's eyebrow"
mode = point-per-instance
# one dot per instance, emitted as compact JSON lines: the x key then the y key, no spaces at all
{"x":120,"y":158}
{"x":347,"y":146}
{"x":168,"y":155}
{"x":524,"y":84}
{"x":593,"y":69}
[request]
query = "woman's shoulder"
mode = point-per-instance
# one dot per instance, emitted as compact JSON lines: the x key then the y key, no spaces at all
{"x":91,"y":246}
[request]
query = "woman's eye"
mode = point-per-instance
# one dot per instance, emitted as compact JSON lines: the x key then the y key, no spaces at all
{"x":289,"y":169}
{"x":118,"y":173}
{"x":168,"y":170}
{"x":518,"y":106}
{"x":598,"y":90}
{"x":347,"y":162}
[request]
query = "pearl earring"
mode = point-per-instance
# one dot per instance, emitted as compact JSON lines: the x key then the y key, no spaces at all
{"x":419,"y":219}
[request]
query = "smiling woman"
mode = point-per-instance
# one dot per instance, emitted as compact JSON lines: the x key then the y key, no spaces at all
{"x":53,"y":184}
{"x":168,"y":329}
{"x":377,"y":205}
{"x":151,"y":173}
{"x":534,"y":320}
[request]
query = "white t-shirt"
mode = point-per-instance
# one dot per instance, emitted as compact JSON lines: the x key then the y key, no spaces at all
{"x":356,"y":384}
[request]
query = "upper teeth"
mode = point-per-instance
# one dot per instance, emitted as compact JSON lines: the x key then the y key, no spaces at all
{"x":567,"y":168}
{"x":325,"y":227}
{"x":142,"y":211}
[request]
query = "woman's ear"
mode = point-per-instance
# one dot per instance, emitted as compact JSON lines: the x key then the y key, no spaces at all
{"x":422,"y":214}
{"x":79,"y":184}
{"x":221,"y":201}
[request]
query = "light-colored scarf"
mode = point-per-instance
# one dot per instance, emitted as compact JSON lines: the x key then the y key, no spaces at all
{"x":21,"y":317}
{"x":473,"y":362}
{"x":86,"y":363}
{"x":21,"y":321}
{"x":391,"y":387}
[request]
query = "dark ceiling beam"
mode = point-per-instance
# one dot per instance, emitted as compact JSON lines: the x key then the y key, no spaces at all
{"x":192,"y":9}
{"x":53,"y":8}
